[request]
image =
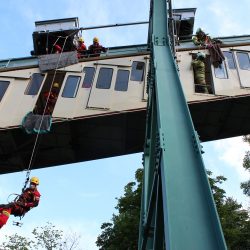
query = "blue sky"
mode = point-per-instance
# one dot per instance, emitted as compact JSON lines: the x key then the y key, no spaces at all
{"x":81,"y":197}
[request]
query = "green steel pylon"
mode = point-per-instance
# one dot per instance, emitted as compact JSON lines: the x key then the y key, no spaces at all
{"x":178,"y":211}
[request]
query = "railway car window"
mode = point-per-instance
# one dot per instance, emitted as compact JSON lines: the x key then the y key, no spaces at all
{"x":34,"y":84}
{"x":230,"y":59}
{"x":121,"y":83}
{"x":3,"y":87}
{"x":220,"y":71}
{"x":243,"y":59}
{"x":137,"y":72}
{"x":104,"y":78}
{"x":71,"y":86}
{"x":89,"y":76}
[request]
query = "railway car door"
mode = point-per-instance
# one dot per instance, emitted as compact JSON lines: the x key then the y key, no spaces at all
{"x":67,"y":99}
{"x":51,"y":79}
{"x":243,"y":63}
{"x":101,"y":91}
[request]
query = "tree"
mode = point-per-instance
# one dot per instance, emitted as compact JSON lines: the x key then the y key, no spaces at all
{"x":246,"y":164}
{"x":47,"y":237}
{"x":123,"y":230}
{"x":16,"y":242}
{"x":122,"y":233}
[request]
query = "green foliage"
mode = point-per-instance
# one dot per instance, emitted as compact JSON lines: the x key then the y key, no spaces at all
{"x":122,"y":233}
{"x":123,"y":230}
{"x":246,"y":164}
{"x":16,"y":242}
{"x":46,"y":237}
{"x":236,"y":225}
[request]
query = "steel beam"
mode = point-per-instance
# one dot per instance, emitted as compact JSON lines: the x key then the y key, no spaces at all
{"x":173,"y":160}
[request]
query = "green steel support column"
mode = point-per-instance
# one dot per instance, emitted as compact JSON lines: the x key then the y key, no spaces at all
{"x":149,"y":159}
{"x":190,"y":217}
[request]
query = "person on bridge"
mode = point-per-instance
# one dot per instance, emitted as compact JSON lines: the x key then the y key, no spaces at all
{"x":95,"y":49}
{"x":81,"y":48}
{"x":201,"y":38}
{"x":29,"y":198}
{"x":58,"y":49}
{"x":199,"y":73}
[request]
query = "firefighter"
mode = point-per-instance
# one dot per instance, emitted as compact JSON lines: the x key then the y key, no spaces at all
{"x":28,"y":199}
{"x":81,"y":48}
{"x":58,"y":49}
{"x":201,"y":38}
{"x":50,"y":98}
{"x":199,"y":73}
{"x":95,"y":49}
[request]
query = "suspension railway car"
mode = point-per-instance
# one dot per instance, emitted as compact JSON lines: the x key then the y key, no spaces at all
{"x":101,"y":106}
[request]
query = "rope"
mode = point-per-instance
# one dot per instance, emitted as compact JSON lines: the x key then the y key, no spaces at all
{"x":28,"y":170}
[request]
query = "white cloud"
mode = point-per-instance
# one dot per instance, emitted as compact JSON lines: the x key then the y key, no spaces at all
{"x":228,"y":20}
{"x":232,"y":152}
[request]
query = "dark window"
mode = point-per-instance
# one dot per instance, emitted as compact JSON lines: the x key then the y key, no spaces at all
{"x":34,"y":84}
{"x":71,"y":86}
{"x":104,"y":78}
{"x":3,"y":87}
{"x":230,"y":59}
{"x":89,"y":76}
{"x":220,"y":71}
{"x":137,"y":72}
{"x":121,"y":83}
{"x":243,"y":60}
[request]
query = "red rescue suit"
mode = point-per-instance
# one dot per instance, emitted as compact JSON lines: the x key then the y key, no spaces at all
{"x":81,"y":50}
{"x":28,"y":199}
{"x":4,"y":216}
{"x":95,"y":49}
{"x":51,"y":97}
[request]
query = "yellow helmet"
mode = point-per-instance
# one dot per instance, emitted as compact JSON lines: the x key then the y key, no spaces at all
{"x":56,"y":85}
{"x":95,"y":40}
{"x":81,"y":40}
{"x":34,"y":180}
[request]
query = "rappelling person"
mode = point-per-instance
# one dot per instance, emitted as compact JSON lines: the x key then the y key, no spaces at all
{"x":95,"y":49}
{"x":29,"y":198}
{"x":199,"y":73}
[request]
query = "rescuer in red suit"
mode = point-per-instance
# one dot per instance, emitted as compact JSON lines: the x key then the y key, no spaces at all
{"x":81,"y":48}
{"x":95,"y":49}
{"x":58,"y":49}
{"x":28,"y":199}
{"x":50,"y":98}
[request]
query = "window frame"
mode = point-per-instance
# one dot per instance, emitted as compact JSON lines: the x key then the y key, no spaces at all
{"x":230,"y":61}
{"x":92,"y":80}
{"x":123,"y":89}
{"x":224,"y":68}
{"x":239,"y":62}
{"x":98,"y":78}
{"x":75,"y":89}
{"x":134,"y":68}
{"x":30,"y":85}
{"x":4,"y":89}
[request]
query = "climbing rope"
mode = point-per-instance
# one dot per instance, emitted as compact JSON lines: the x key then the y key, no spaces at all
{"x":28,"y":170}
